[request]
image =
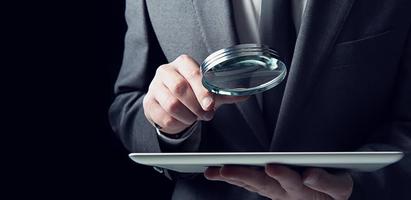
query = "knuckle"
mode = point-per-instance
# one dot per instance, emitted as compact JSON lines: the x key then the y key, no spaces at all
{"x":179,"y":87}
{"x":173,"y":105}
{"x":161,"y":68}
{"x":194,"y":74}
{"x":169,"y":122}
{"x":183,"y":57}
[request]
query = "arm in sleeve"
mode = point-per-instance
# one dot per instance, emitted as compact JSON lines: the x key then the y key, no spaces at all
{"x":141,"y":58}
{"x":392,"y":182}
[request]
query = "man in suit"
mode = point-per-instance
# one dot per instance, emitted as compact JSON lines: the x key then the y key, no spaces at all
{"x":348,"y":89}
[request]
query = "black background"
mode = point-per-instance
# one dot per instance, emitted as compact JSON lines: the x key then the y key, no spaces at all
{"x":58,"y":64}
{"x":61,"y":61}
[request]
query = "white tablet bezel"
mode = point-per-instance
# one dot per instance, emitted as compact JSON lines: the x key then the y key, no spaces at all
{"x":198,"y":162}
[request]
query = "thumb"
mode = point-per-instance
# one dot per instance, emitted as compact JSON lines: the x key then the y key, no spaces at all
{"x":338,"y":186}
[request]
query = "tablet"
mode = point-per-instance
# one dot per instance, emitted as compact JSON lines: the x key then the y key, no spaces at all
{"x":198,"y":162}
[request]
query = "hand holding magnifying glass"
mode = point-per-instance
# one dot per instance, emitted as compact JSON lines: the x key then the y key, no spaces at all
{"x":180,"y":93}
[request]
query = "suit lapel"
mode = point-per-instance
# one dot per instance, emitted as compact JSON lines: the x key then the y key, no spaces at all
{"x":321,"y":24}
{"x":214,"y":19}
{"x":216,"y":22}
{"x":177,"y":29}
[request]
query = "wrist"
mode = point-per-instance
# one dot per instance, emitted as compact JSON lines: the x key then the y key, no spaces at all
{"x":178,"y":138}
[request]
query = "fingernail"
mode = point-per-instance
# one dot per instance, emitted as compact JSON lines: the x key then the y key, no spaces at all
{"x":206,"y":102}
{"x":310,"y":180}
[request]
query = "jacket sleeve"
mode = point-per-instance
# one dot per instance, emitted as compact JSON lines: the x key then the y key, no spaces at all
{"x":392,"y":182}
{"x":142,"y":56}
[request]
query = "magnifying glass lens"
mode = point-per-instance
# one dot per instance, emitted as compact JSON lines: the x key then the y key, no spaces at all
{"x":242,"y":70}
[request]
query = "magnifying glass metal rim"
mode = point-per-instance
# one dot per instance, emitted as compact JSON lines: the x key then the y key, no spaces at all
{"x":226,"y":54}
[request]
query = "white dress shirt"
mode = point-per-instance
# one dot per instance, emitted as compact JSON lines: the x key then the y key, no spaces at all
{"x":247,"y":15}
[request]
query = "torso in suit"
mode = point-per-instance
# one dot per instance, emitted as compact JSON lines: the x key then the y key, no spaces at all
{"x":348,"y":88}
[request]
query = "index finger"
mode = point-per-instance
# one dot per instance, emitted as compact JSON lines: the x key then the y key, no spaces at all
{"x":190,"y":70}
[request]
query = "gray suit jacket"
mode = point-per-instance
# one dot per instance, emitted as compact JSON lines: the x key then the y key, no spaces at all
{"x":349,"y":86}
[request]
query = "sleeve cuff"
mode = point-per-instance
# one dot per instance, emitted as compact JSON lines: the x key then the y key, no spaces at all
{"x":175,"y":141}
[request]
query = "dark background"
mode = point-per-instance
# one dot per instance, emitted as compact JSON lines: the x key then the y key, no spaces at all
{"x":61,"y":61}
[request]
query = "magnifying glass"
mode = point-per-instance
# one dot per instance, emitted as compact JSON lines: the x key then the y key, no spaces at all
{"x":241,"y":70}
